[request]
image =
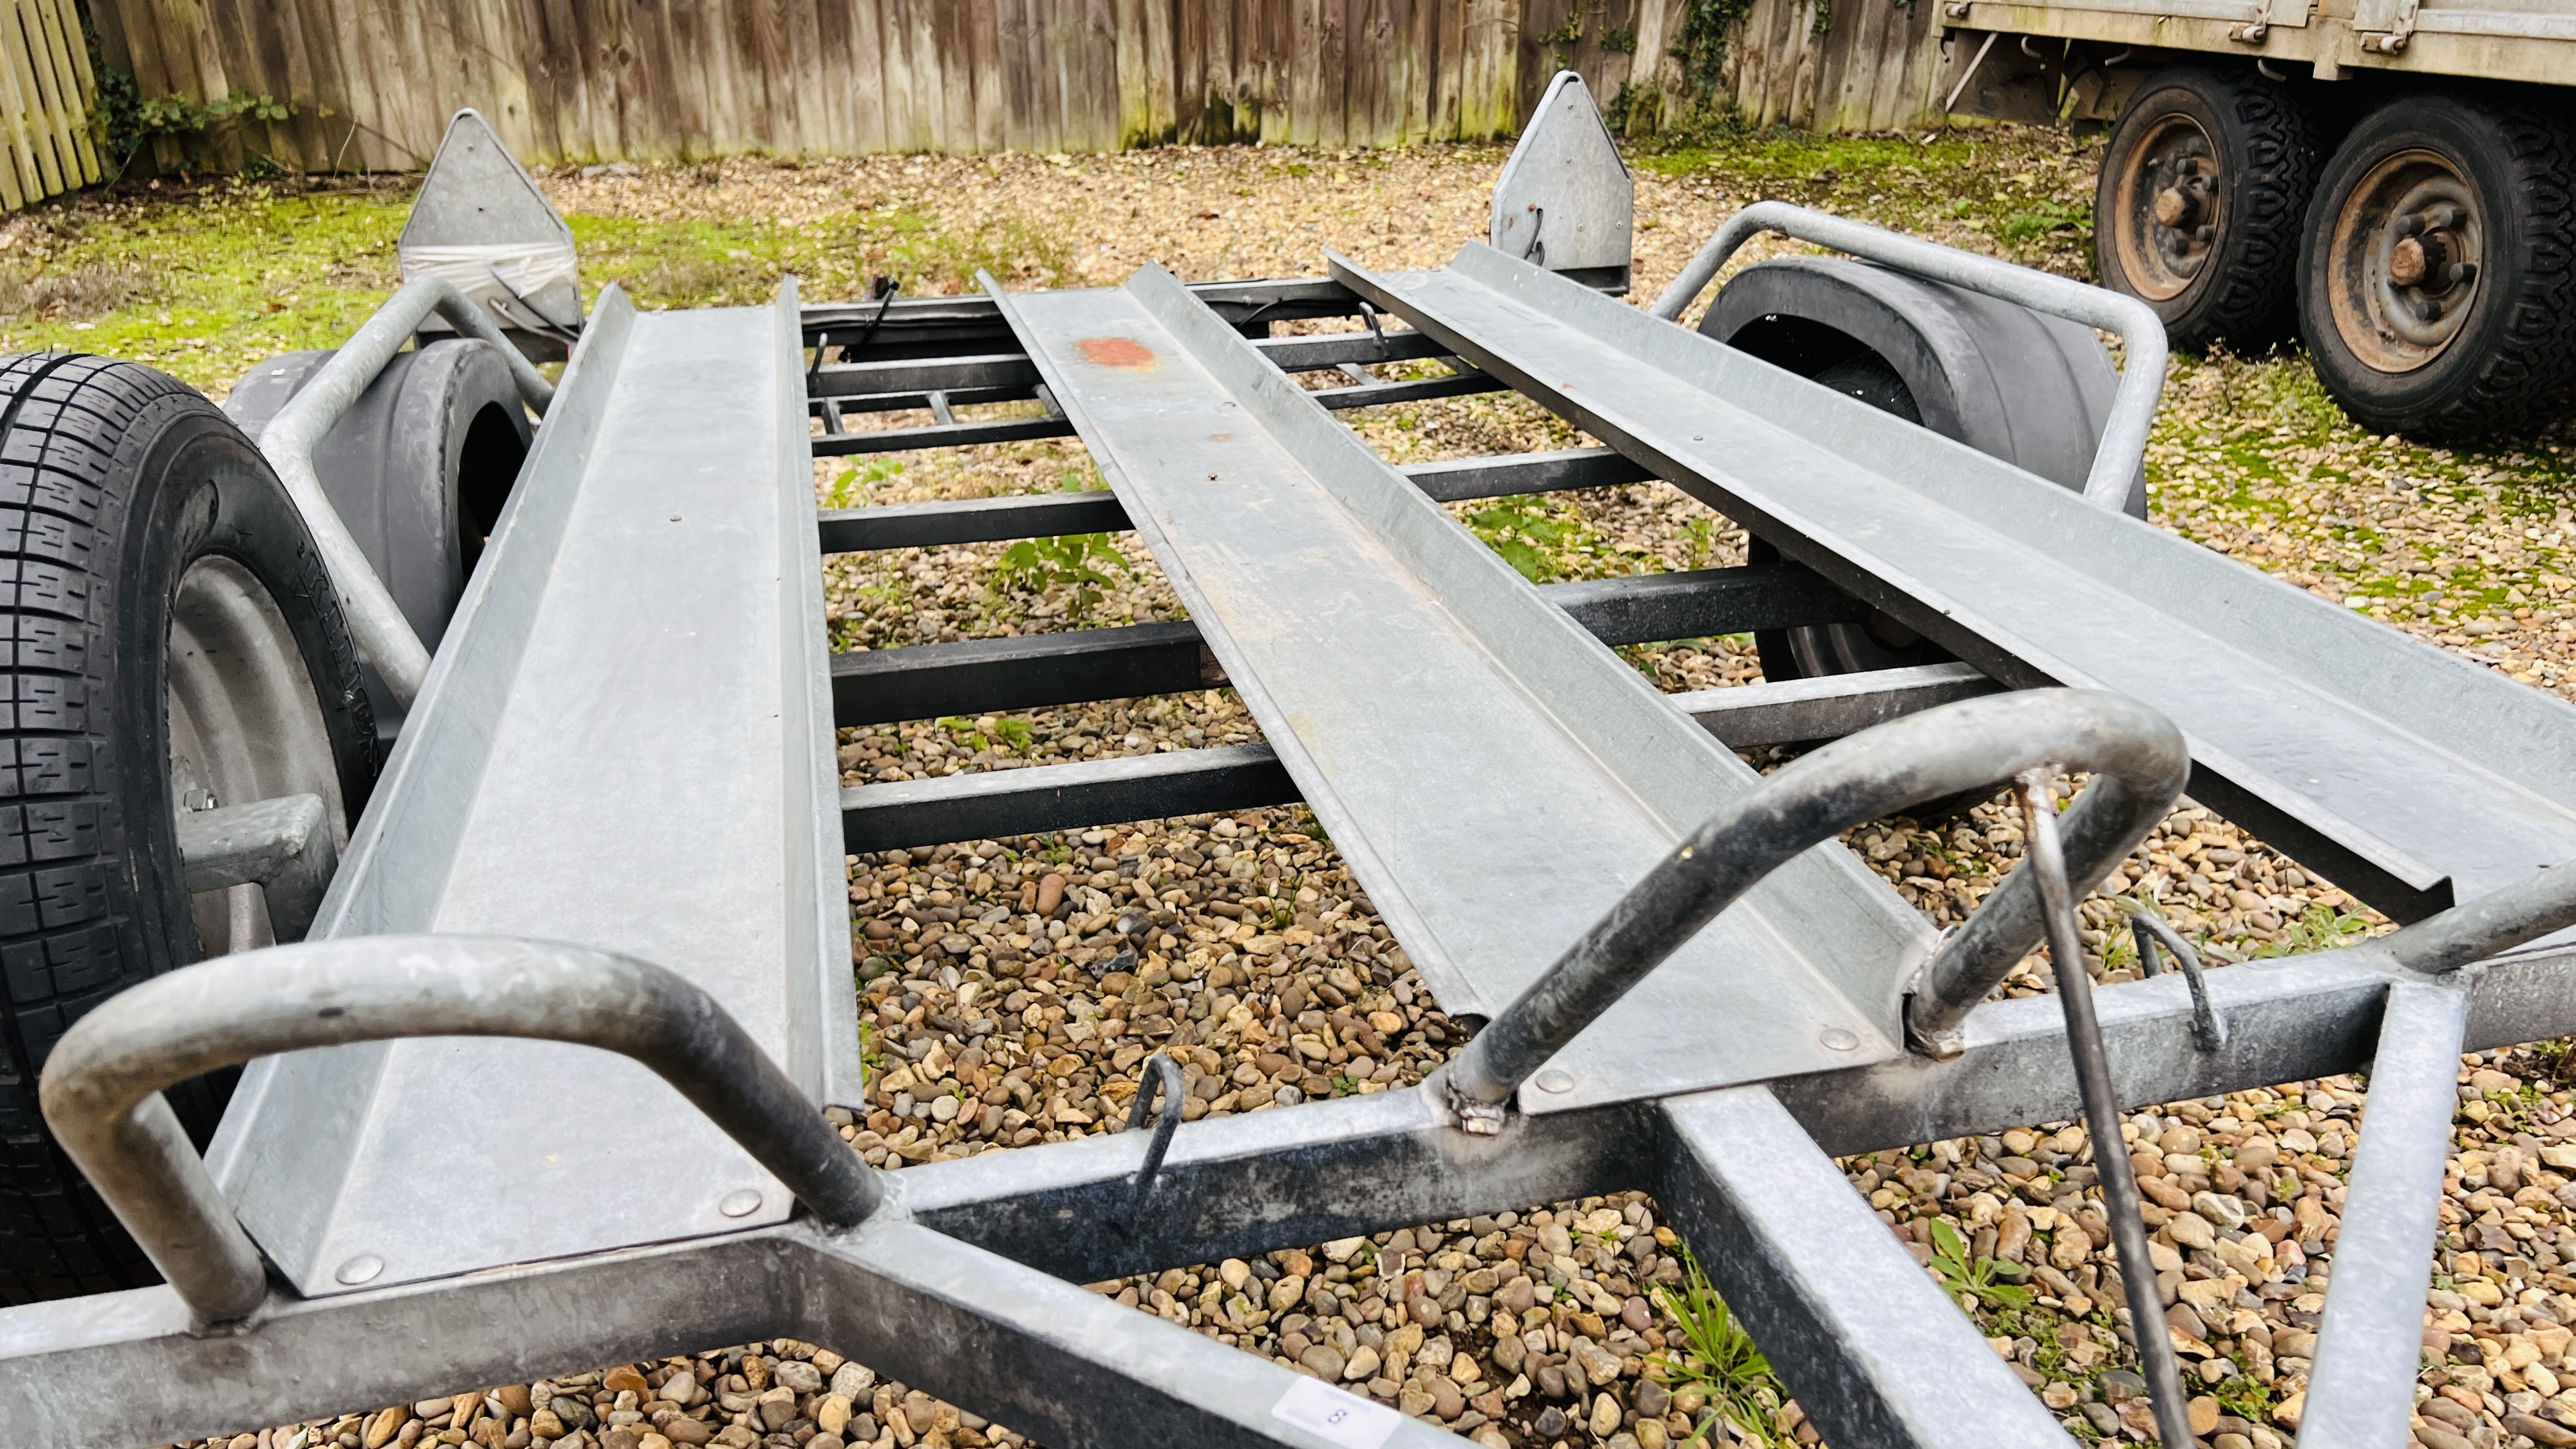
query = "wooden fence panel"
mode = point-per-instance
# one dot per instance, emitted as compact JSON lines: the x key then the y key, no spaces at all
{"x":371,"y":83}
{"x":45,"y":92}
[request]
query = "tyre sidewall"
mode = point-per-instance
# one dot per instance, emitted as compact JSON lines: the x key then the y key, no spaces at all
{"x":2473,"y":141}
{"x":201,"y":490}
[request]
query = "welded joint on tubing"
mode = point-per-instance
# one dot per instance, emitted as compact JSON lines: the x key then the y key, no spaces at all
{"x":1477,"y":1103}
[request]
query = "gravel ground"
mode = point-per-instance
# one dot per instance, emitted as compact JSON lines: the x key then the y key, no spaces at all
{"x":1006,"y":1006}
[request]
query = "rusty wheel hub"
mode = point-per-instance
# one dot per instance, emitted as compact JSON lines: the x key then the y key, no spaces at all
{"x":2165,"y":215}
{"x":2402,"y":272}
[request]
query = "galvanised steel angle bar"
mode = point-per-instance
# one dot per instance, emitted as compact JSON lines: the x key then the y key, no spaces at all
{"x":2407,"y":774}
{"x":1872,"y":1348}
{"x":625,"y":742}
{"x":1495,"y":776}
{"x":2369,"y":1344}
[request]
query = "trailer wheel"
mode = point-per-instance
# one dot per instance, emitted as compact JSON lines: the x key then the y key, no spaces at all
{"x":418,"y":467}
{"x":178,"y":645}
{"x":2197,"y":209}
{"x":2438,"y":280}
{"x":2014,"y":384}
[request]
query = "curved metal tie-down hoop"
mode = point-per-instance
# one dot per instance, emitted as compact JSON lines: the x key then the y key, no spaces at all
{"x":102,"y":1086}
{"x":2139,"y":762}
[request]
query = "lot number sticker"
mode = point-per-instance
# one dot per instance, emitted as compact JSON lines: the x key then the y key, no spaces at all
{"x":1337,"y":1414}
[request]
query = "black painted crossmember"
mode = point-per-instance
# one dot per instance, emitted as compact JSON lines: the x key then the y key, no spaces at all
{"x":927,"y":681}
{"x":995,"y":803}
{"x":1041,"y":515}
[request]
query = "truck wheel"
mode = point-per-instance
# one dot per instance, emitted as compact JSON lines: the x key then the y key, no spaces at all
{"x":2197,"y":209}
{"x":2012,"y":383}
{"x":2437,"y":285}
{"x":178,"y":647}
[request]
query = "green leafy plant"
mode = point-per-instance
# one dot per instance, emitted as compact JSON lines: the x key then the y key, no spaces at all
{"x":1701,"y":43}
{"x":125,"y":120}
{"x":2319,"y":928}
{"x":1701,"y":535}
{"x":1981,"y":1279}
{"x":1720,"y":1359}
{"x":2048,"y":219}
{"x":1524,"y":533}
{"x":1618,"y":42}
{"x":871,"y":1059}
{"x":966,"y":732}
{"x":849,"y":489}
{"x":1071,"y":562}
{"x":1018,"y":734}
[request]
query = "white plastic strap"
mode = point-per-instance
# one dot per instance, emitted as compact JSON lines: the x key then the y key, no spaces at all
{"x":490,"y":272}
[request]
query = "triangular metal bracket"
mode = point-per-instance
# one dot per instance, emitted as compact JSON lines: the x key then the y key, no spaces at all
{"x":1565,"y":201}
{"x":480,"y":222}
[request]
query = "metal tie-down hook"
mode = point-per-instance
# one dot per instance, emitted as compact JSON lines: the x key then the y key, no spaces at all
{"x":2047,"y":861}
{"x":2152,"y":930}
{"x":1167,"y":1072}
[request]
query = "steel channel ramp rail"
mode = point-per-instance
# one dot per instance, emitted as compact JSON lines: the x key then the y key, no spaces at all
{"x":648,"y":612}
{"x":1494,"y":776}
{"x":2410,"y":777}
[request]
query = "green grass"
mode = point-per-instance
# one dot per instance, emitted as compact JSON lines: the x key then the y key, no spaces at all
{"x":2026,"y":193}
{"x":223,"y":281}
{"x":208,"y":284}
{"x":1719,"y":1358}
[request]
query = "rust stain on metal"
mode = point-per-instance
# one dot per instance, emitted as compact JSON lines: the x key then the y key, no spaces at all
{"x":1117,"y":352}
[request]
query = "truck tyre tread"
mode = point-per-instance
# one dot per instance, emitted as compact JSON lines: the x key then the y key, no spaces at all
{"x":2246,"y":298}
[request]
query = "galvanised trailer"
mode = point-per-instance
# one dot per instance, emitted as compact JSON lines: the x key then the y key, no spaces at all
{"x":603,"y":863}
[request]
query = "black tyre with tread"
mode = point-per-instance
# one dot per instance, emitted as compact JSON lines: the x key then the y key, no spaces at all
{"x":2508,"y":352}
{"x":2262,"y":141}
{"x":114,"y":480}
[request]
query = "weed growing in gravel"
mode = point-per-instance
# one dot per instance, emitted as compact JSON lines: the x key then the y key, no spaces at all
{"x":1720,"y":1358}
{"x":1543,"y":538}
{"x":2319,"y":928}
{"x":1964,"y":1276}
{"x":850,"y":488}
{"x":1070,"y":563}
{"x":1700,"y":538}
